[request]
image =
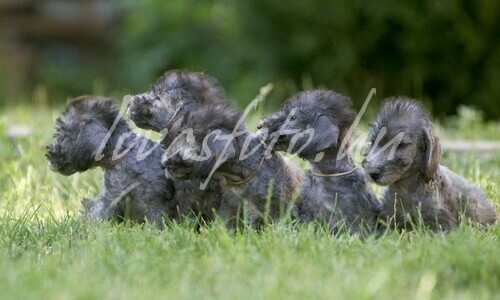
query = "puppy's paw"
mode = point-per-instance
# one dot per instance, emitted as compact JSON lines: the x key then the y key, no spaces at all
{"x":93,"y":209}
{"x":87,"y":205}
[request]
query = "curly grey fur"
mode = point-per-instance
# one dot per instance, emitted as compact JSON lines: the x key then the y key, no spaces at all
{"x":267,"y":185}
{"x":164,"y":107}
{"x":343,"y":201}
{"x":132,"y":188}
{"x":418,"y":187}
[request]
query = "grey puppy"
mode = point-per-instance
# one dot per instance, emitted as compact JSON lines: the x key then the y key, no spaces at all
{"x":133,"y":186}
{"x":313,"y":125}
{"x":216,"y":143}
{"x":164,"y":107}
{"x":418,"y":188}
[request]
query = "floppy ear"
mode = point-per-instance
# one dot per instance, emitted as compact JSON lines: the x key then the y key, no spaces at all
{"x":325,"y":135}
{"x":432,"y":153}
{"x":96,"y":141}
{"x":218,"y":147}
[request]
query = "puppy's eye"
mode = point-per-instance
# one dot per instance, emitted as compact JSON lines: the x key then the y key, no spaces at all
{"x":157,"y":100}
{"x":293,"y":117}
{"x":401,"y":146}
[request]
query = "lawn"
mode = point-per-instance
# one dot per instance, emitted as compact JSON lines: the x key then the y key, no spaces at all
{"x":46,"y":251}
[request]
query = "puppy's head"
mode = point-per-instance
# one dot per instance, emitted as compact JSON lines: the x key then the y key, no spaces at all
{"x":205,"y":143}
{"x":80,"y":130}
{"x":150,"y":111}
{"x":171,"y":97}
{"x":308,"y":123}
{"x":402,"y":143}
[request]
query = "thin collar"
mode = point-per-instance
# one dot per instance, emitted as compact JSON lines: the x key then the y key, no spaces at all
{"x":243,"y":181}
{"x":334,"y":174}
{"x":119,"y":160}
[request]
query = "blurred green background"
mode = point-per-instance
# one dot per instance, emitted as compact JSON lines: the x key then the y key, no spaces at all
{"x":445,"y":53}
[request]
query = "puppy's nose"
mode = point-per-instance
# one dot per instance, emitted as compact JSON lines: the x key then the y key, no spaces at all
{"x":375,"y":174}
{"x":49,"y":153}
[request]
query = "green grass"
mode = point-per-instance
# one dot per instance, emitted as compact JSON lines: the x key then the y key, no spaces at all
{"x":46,"y":252}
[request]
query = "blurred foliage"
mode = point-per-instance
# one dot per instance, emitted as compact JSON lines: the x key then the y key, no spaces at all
{"x":468,"y":124}
{"x":445,"y":53}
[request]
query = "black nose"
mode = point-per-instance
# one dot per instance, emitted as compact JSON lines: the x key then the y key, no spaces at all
{"x":49,"y":153}
{"x":375,"y":175}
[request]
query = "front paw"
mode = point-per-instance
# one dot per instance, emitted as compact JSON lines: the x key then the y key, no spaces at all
{"x":93,"y":209}
{"x":87,"y":205}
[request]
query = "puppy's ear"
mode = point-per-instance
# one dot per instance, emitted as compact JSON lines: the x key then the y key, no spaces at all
{"x":432,"y":153}
{"x":326,"y":135}
{"x":107,"y":111}
{"x":219,"y":147}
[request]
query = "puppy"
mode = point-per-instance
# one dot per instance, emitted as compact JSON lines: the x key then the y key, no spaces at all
{"x":313,"y":124}
{"x":404,"y":156}
{"x":163,"y":108}
{"x":91,"y":134}
{"x":215,"y":143}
